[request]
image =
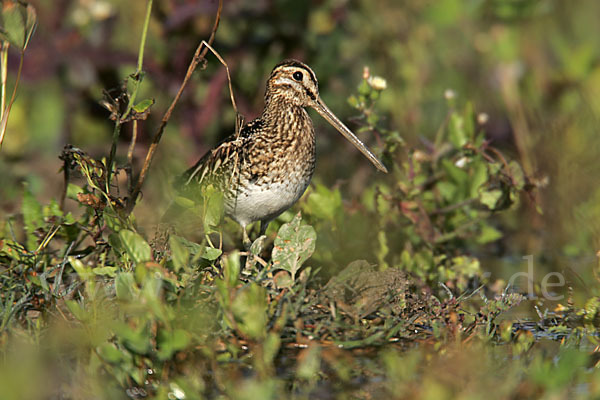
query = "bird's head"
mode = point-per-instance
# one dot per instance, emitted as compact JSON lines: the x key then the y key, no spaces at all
{"x":293,"y":82}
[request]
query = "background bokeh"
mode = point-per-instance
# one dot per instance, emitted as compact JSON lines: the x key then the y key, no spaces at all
{"x":533,"y":66}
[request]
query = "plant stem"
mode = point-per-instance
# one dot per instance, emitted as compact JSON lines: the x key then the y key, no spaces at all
{"x":137,"y":82}
{"x":130,"y":154}
{"x":198,"y":55}
{"x":6,"y":113}
{"x":138,"y":73}
{"x":113,"y":151}
{"x":3,"y":75}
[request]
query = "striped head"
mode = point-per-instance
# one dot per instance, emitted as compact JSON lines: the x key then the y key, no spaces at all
{"x":294,"y":83}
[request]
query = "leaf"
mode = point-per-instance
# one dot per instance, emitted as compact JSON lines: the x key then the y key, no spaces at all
{"x":479,"y":175}
{"x":456,"y":131}
{"x":136,"y":247}
{"x":490,"y":198}
{"x":250,"y":311}
{"x":211,"y":254}
{"x":488,"y":234}
{"x":77,"y":310}
{"x":19,"y":20}
{"x":309,"y":363}
{"x":110,"y":353}
{"x":136,"y":340}
{"x":108,"y":271}
{"x":179,"y":251}
{"x":85,"y":272}
{"x":112,"y":220}
{"x":32,"y":215}
{"x":231,"y":269}
{"x":125,"y":286}
{"x":282,"y":279}
{"x":517,"y":175}
{"x":271,"y":347}
{"x":171,"y":341}
{"x":294,"y":244}
{"x":324,"y":203}
{"x":143,"y":105}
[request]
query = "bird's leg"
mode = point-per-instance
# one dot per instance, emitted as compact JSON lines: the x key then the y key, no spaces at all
{"x":245,"y":238}
{"x":263,"y":227}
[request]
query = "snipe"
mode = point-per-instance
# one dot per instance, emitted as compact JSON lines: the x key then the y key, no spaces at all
{"x":264,"y":169}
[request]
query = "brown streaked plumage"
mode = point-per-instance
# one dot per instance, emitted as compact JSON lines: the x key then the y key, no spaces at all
{"x":265,"y":169}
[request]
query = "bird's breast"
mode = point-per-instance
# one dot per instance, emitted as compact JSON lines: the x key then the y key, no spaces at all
{"x":276,"y":167}
{"x":265,"y":201}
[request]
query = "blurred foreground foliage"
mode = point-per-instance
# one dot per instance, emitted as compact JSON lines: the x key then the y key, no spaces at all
{"x":386,"y":295}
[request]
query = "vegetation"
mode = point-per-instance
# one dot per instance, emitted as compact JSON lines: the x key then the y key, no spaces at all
{"x":471,"y":266}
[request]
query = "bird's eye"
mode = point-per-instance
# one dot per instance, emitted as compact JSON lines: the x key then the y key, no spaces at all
{"x":297,"y":76}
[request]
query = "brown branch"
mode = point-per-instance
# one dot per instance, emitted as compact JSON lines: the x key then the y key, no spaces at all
{"x":198,"y":55}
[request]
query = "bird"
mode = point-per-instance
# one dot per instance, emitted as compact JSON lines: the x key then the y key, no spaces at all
{"x":264,"y":168}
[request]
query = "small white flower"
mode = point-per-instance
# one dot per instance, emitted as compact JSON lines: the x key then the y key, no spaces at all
{"x":449,"y":94}
{"x":482,"y":118}
{"x":366,"y":72}
{"x":101,"y":10}
{"x":461,"y":162}
{"x":377,"y":82}
{"x":176,"y":392}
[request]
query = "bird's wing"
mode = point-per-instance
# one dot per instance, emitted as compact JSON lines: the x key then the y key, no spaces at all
{"x":221,"y":162}
{"x":215,"y":164}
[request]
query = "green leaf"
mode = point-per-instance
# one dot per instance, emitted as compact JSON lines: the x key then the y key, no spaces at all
{"x":85,"y":272}
{"x":110,"y":353}
{"x":293,"y":245}
{"x":488,"y":234}
{"x":324,"y":203}
{"x":112,"y":220}
{"x":179,"y":252}
{"x":18,"y":22}
{"x":353,"y":101}
{"x":250,"y":311}
{"x":469,"y":125}
{"x":77,"y":309}
{"x":231,"y":269}
{"x":211,"y":254}
{"x":136,"y":247}
{"x":447,"y":190}
{"x":73,"y":190}
{"x":479,"y":177}
{"x":184,"y":202}
{"x":213,"y":208}
{"x":136,"y":340}
{"x":282,"y":279}
{"x":271,"y":347}
{"x":171,"y":341}
{"x":456,"y":131}
{"x":52,"y":210}
{"x":108,"y":271}
{"x":310,"y":364}
{"x":125,"y":286}
{"x":490,"y":198}
{"x":32,"y":215}
{"x":517,"y":175}
{"x":143,"y":105}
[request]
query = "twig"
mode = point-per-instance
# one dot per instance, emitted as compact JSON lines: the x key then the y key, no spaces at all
{"x":198,"y":55}
{"x":130,"y":155}
{"x":228,"y":74}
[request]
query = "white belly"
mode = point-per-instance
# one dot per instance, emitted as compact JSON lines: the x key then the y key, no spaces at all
{"x":263,"y":203}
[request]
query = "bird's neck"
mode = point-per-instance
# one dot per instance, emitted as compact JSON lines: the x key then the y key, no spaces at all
{"x":286,"y":120}
{"x":286,"y":130}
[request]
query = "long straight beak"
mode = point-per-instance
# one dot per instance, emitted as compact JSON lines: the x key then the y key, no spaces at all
{"x":337,"y":124}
